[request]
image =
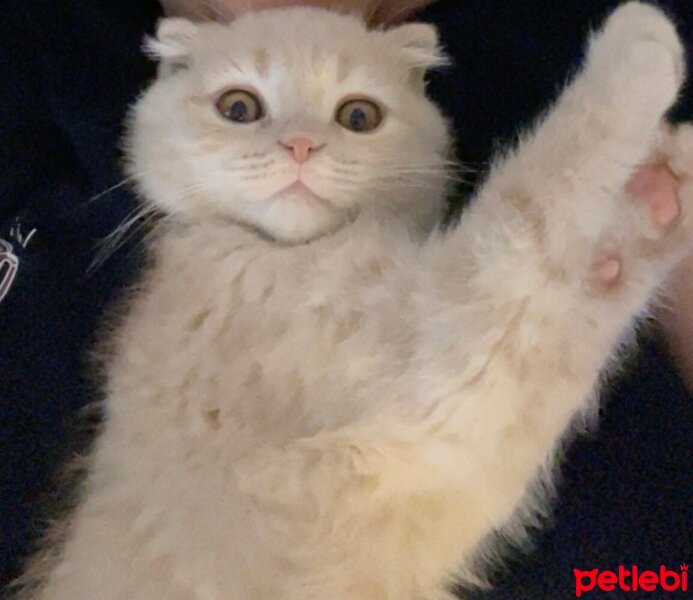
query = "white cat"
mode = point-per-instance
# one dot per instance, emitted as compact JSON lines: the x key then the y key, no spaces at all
{"x":316,"y":395}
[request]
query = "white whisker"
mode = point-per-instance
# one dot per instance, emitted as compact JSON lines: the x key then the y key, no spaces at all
{"x":135,"y":220}
{"x":118,"y":185}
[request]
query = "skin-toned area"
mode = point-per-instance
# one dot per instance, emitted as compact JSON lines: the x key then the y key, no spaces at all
{"x":659,"y":187}
{"x":654,"y":182}
{"x":677,"y":314}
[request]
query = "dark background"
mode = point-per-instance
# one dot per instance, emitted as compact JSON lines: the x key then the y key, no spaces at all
{"x":68,"y":71}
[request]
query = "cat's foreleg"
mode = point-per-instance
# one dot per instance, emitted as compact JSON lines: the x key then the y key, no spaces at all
{"x":554,"y":260}
{"x":572,"y":166}
{"x":553,"y":233}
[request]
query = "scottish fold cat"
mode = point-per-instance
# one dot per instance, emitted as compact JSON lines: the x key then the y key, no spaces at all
{"x":317,"y":393}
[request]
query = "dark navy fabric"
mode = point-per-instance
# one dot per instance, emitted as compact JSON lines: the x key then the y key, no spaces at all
{"x":68,"y":71}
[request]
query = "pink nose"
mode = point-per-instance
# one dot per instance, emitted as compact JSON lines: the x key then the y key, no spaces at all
{"x":301,"y":147}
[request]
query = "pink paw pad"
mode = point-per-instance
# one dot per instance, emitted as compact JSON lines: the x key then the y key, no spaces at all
{"x":657,"y":186}
{"x":608,"y":270}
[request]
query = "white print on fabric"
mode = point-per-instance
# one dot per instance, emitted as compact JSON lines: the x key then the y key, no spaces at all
{"x":9,"y":261}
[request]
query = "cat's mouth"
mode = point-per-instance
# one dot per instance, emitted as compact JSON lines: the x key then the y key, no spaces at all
{"x":297,"y":188}
{"x":298,"y":191}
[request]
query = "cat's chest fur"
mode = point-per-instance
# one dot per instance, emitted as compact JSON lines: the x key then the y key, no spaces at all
{"x":232,"y":332}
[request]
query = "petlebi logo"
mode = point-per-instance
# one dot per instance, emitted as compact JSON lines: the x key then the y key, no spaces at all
{"x":632,"y":579}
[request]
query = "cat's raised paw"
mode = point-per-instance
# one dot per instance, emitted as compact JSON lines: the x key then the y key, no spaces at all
{"x":638,"y":58}
{"x":640,"y":22}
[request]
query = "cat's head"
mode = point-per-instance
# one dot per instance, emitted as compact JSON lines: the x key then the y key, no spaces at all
{"x":292,"y":122}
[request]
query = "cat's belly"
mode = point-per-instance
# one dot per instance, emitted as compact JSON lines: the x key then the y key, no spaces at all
{"x":214,"y":367}
{"x":218,"y":377}
{"x":257,"y":346}
{"x":210,"y":368}
{"x":236,"y":375}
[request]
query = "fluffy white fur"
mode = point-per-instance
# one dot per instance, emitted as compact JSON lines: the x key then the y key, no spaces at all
{"x":349,"y":418}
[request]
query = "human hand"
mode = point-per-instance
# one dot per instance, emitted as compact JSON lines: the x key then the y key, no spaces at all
{"x":659,"y":186}
{"x":374,"y":11}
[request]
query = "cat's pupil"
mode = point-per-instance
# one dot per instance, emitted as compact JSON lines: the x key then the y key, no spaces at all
{"x":238,"y":111}
{"x":357,"y":119}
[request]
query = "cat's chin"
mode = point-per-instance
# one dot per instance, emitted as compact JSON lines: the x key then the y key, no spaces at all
{"x":298,"y":217}
{"x":302,"y":234}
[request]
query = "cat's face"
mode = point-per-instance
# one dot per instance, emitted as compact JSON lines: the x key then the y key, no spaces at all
{"x":291,"y":122}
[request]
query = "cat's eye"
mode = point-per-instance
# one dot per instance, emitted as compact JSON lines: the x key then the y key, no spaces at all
{"x":359,"y":115}
{"x":240,"y":106}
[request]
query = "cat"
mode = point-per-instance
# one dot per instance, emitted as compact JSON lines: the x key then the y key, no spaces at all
{"x":319,"y":393}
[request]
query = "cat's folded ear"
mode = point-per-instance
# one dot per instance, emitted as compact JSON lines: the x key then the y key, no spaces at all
{"x":172,"y":43}
{"x":420,"y":47}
